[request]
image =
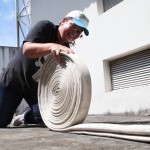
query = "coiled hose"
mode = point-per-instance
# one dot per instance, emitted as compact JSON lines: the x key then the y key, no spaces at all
{"x":64,"y":95}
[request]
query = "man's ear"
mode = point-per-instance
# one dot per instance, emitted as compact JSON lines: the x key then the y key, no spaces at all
{"x":63,"y":20}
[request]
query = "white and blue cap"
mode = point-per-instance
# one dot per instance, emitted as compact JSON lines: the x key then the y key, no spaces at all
{"x":80,"y":20}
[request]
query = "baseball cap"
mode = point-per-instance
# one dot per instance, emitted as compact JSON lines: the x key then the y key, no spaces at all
{"x":80,"y":20}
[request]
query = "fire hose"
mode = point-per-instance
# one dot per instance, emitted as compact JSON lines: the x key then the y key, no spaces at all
{"x":64,"y":95}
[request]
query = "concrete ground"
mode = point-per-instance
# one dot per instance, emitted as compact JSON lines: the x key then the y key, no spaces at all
{"x":41,"y":138}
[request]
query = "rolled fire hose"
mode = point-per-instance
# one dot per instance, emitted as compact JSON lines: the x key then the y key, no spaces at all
{"x":64,"y":95}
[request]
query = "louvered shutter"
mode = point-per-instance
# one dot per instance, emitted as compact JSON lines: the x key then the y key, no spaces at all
{"x":107,"y":4}
{"x":130,"y":71}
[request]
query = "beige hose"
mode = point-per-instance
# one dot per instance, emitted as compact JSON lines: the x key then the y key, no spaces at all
{"x":64,"y":92}
{"x":64,"y":95}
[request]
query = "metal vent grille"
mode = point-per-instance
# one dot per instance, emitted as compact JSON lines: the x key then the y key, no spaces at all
{"x":130,"y":71}
{"x":107,"y":4}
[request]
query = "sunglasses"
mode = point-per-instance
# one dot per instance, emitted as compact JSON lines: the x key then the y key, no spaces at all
{"x":75,"y":29}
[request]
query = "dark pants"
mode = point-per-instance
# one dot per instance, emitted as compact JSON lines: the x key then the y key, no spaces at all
{"x":9,"y":101}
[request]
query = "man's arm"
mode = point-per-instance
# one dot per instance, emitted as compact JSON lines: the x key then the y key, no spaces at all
{"x":35,"y":50}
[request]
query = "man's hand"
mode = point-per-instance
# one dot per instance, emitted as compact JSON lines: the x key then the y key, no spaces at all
{"x":57,"y":48}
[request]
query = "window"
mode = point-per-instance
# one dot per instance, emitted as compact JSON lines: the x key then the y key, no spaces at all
{"x":107,"y":4}
{"x":130,"y":71}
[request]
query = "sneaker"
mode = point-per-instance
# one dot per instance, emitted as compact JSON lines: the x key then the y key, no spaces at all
{"x":19,"y":120}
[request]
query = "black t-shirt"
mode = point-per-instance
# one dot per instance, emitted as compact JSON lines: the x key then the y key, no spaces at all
{"x":20,"y":74}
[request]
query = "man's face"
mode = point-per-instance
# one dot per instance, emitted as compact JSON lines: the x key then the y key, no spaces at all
{"x":69,"y":31}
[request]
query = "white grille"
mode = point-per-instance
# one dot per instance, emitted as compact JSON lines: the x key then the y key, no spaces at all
{"x":130,"y":71}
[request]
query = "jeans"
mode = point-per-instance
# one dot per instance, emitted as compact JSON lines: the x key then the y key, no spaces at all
{"x":9,"y":101}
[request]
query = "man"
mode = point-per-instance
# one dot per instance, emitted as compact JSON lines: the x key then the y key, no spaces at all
{"x":20,"y":79}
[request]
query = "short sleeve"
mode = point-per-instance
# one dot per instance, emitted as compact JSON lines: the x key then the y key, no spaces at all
{"x":38,"y":33}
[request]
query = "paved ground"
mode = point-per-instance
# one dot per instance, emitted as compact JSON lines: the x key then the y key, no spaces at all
{"x":40,"y":138}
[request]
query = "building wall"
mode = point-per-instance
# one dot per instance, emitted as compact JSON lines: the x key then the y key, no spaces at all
{"x":6,"y":53}
{"x":55,"y":10}
{"x":119,"y":31}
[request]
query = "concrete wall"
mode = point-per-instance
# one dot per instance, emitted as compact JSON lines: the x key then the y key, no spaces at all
{"x":55,"y":10}
{"x":119,"y":31}
{"x":6,"y":53}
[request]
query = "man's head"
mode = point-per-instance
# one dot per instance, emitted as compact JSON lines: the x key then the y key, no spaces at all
{"x":72,"y":26}
{"x":80,"y":20}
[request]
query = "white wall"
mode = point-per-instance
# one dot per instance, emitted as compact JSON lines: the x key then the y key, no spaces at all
{"x":55,"y":10}
{"x":120,"y":30}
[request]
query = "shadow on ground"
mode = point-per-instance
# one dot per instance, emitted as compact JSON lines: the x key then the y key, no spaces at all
{"x":41,"y":138}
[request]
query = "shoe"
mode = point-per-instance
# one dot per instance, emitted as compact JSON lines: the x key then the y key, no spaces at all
{"x":19,"y":120}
